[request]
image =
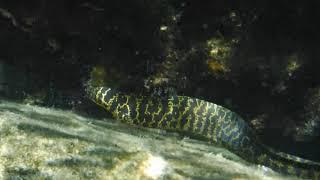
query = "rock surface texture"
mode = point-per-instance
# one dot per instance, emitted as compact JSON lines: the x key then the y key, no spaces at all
{"x":42,"y":143}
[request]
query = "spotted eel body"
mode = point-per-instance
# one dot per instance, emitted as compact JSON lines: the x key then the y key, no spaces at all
{"x":200,"y":119}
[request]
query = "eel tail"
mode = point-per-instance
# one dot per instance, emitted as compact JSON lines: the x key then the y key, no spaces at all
{"x":285,"y":163}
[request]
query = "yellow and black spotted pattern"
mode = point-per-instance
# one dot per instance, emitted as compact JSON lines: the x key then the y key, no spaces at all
{"x":203,"y":119}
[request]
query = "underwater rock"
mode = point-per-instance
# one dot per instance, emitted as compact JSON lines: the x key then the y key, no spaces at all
{"x":43,"y":143}
{"x":310,"y":130}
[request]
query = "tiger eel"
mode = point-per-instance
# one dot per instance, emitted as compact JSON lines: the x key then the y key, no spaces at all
{"x":200,"y":119}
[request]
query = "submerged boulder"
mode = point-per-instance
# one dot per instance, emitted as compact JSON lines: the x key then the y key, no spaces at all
{"x":43,"y":143}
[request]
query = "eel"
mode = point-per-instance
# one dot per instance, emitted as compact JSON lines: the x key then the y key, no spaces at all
{"x":200,"y":119}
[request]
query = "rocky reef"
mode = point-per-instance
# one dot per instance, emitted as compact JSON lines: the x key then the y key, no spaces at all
{"x":259,"y":59}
